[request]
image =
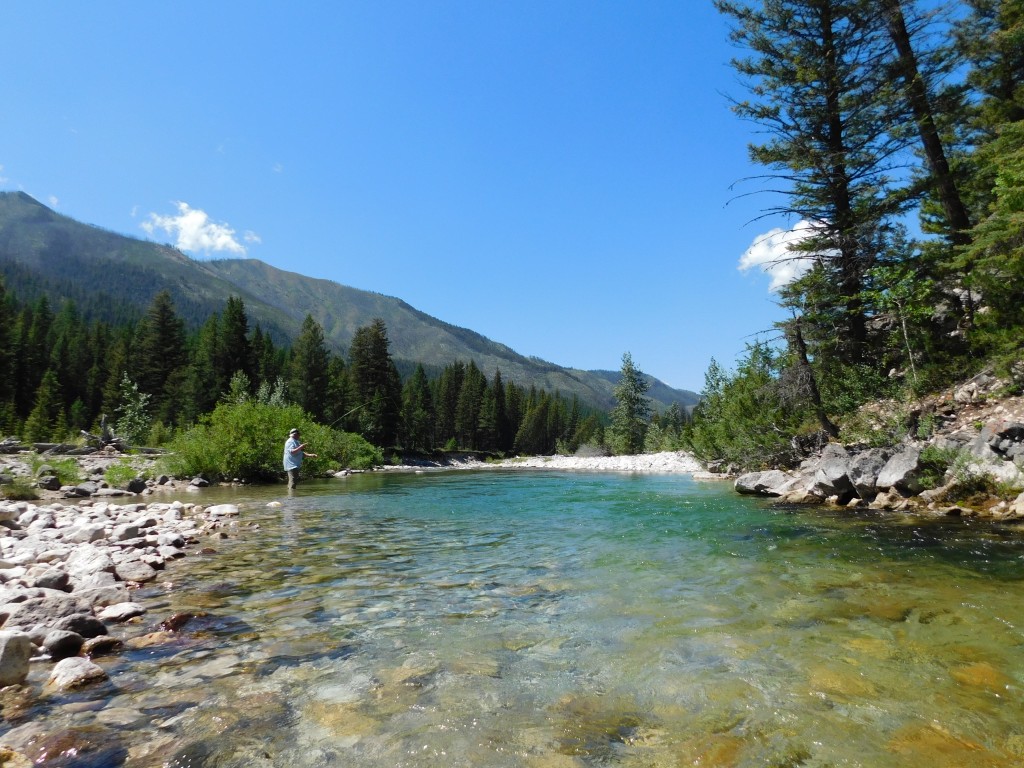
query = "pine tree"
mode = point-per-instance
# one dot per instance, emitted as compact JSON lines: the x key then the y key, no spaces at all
{"x":446,"y":399}
{"x":632,"y":411}
{"x":159,"y":351}
{"x":40,"y":422}
{"x":7,"y":330}
{"x":309,"y":370}
{"x":376,"y":383}
{"x":820,"y":98}
{"x":236,"y":352}
{"x":467,"y":407}
{"x":417,"y":412}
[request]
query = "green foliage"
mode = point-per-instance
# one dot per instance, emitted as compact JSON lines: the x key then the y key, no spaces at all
{"x":120,"y":473}
{"x":934,"y":463}
{"x":630,"y":416}
{"x":40,"y":424}
{"x":742,"y":418}
{"x":245,"y":440}
{"x":19,"y":490}
{"x":133,"y":420}
{"x":66,"y":470}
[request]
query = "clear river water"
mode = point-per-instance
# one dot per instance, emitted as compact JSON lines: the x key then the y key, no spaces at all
{"x":560,"y":620}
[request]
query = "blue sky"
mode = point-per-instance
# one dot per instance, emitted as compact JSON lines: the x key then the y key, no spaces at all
{"x":555,"y":175}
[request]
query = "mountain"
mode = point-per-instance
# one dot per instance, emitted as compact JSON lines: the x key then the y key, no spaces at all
{"x":114,"y":278}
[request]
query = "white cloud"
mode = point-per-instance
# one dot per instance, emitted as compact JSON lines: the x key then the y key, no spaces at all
{"x":194,"y":231}
{"x":252,"y":237}
{"x":772,"y":254}
{"x":53,"y":201}
{"x":278,"y":168}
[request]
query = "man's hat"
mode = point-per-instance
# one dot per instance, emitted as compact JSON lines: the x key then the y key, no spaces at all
{"x":294,"y":432}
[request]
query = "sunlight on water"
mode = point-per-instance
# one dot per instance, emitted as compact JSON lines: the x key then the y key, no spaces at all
{"x":556,"y":620}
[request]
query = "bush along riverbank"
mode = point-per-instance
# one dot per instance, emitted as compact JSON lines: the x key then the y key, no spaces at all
{"x":963,"y":455}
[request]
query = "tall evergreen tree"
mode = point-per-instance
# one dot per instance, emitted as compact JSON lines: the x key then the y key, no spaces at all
{"x":39,"y":426}
{"x":417,"y":432}
{"x":632,"y":411}
{"x":376,"y":383}
{"x":467,"y":407}
{"x":820,"y":100}
{"x":338,"y":411}
{"x":7,"y":336}
{"x":449,"y":385}
{"x":236,"y":351}
{"x":309,"y":373}
{"x":158,"y":352}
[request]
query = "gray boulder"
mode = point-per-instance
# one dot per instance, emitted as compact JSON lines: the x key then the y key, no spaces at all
{"x":15,"y":652}
{"x":83,"y":624}
{"x":865,"y":468}
{"x":902,"y":472}
{"x":136,"y":571}
{"x":765,"y":483}
{"x":74,"y":673}
{"x":832,"y":476}
{"x":62,"y":643}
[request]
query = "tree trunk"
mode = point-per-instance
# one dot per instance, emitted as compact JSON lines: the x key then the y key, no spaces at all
{"x":957,"y":218}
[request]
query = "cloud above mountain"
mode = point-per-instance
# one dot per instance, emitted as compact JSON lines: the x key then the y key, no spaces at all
{"x":194,"y":231}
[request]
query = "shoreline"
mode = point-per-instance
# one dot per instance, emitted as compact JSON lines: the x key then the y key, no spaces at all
{"x":665,"y":462}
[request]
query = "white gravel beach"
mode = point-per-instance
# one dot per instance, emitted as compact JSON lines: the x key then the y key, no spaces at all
{"x":668,"y":461}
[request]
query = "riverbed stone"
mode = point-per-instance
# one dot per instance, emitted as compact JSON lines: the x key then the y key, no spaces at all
{"x":135,"y":571}
{"x":121,"y":612}
{"x":62,"y":643}
{"x":15,"y":652}
{"x":74,"y":673}
{"x":84,"y":624}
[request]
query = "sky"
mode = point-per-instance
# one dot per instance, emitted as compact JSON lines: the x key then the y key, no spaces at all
{"x":564,"y":177}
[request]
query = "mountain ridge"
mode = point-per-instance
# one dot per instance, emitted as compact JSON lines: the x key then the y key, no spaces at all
{"x":116,"y":276}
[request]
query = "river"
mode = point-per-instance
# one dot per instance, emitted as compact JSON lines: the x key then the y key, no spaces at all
{"x":559,"y":620}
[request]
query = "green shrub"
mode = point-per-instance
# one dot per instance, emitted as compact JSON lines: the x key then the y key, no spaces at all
{"x":934,"y":462}
{"x":245,"y":440}
{"x":66,"y":470}
{"x":119,"y":474}
{"x":20,"y":490}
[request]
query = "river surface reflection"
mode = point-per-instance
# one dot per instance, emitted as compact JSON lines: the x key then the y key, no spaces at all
{"x":553,"y":620}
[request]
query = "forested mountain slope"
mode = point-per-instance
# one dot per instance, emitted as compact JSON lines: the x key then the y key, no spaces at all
{"x":114,"y":278}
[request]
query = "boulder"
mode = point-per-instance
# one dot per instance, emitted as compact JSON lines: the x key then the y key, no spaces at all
{"x":222,"y":510}
{"x":136,"y":571}
{"x":84,"y":624}
{"x":74,"y":673}
{"x":62,"y":643}
{"x":865,"y":468}
{"x":52,"y":578}
{"x":15,"y":653}
{"x":832,"y":477}
{"x":762,"y":483}
{"x":41,"y":610}
{"x":121,"y":612}
{"x":902,"y":472}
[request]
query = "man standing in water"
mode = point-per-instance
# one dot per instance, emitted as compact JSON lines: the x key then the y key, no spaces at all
{"x":294,"y":453}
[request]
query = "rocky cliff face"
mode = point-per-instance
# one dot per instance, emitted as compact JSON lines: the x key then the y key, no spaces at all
{"x":970,"y":464}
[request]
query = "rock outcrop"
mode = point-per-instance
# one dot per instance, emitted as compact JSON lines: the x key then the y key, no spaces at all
{"x":982,"y":436}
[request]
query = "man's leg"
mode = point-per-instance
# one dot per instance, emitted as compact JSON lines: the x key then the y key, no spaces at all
{"x":293,"y":478}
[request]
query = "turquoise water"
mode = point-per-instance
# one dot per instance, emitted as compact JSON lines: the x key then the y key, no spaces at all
{"x":553,"y":620}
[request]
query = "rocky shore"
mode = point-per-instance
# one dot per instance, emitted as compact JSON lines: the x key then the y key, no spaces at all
{"x":68,"y":571}
{"x":978,"y":434}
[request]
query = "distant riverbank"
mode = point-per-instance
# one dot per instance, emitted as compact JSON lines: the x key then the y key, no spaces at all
{"x":666,"y":461}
